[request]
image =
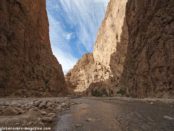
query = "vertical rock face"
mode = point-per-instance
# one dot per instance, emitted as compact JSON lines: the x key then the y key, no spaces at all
{"x":85,"y":73}
{"x":109,"y":54}
{"x":149,"y":67}
{"x":110,"y":33}
{"x":135,"y":50}
{"x":27,"y":65}
{"x":112,"y":41}
{"x":82,"y":74}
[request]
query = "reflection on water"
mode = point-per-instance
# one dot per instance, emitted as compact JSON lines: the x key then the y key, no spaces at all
{"x":86,"y":116}
{"x":66,"y":121}
{"x":80,"y":111}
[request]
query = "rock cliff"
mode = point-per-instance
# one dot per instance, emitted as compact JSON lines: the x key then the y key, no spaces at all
{"x":149,"y":65}
{"x":27,"y":64}
{"x":134,"y":50}
{"x":87,"y":72}
{"x":81,"y":75}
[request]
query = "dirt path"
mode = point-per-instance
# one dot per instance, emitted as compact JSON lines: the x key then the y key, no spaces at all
{"x":112,"y":114}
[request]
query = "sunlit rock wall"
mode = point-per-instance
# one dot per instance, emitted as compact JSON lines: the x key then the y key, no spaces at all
{"x":134,"y":50}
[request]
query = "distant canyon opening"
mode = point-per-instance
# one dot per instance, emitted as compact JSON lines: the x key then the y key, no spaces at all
{"x":73,"y":28}
{"x":125,"y":59}
{"x":74,"y":31}
{"x":99,"y":72}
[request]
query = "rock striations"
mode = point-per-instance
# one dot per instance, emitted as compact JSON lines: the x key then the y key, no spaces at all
{"x":133,"y":54}
{"x":27,"y":65}
{"x":149,"y":65}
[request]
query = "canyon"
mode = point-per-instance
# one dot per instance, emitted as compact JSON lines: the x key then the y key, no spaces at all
{"x":133,"y":54}
{"x":27,"y":65}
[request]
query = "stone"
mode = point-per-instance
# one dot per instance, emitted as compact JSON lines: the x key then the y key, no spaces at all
{"x":63,"y":105}
{"x":10,"y":111}
{"x":53,"y":115}
{"x":43,"y":112}
{"x":151,"y":102}
{"x":47,"y":119}
{"x":78,"y":125}
{"x":43,"y":104}
{"x":90,"y":120}
{"x":59,"y":108}
{"x":19,"y":110}
{"x":168,"y":118}
{"x":37,"y":103}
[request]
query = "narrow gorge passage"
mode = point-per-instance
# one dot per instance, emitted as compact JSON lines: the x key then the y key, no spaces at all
{"x":56,"y":55}
{"x":117,"y":114}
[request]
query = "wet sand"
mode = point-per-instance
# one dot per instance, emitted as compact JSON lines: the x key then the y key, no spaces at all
{"x":117,"y":114}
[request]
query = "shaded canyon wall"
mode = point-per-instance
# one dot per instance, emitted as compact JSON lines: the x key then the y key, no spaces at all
{"x":27,"y":64}
{"x":149,"y":65}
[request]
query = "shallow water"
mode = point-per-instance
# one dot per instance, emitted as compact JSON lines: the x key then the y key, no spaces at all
{"x":116,"y":115}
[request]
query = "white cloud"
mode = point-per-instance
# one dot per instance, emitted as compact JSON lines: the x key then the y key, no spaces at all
{"x":57,"y":34}
{"x":68,"y":36}
{"x":59,"y":48}
{"x":85,"y":16}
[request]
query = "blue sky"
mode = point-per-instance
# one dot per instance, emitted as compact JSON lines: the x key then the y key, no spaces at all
{"x":73,"y":26}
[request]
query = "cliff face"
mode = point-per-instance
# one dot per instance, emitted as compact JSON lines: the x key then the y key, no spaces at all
{"x":104,"y":73}
{"x":85,"y":73}
{"x":81,"y":76}
{"x":112,"y":41}
{"x":110,"y":33}
{"x":134,"y":49}
{"x":27,"y":65}
{"x":149,"y":67}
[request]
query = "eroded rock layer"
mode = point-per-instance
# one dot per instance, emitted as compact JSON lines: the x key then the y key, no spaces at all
{"x":135,"y":51}
{"x":149,"y":67}
{"x":85,"y":73}
{"x":104,"y":72}
{"x":27,"y":65}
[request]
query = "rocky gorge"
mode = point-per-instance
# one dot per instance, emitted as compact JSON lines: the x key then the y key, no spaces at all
{"x":133,"y":56}
{"x":133,"y":53}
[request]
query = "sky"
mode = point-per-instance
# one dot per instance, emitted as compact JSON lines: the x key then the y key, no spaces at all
{"x":73,"y":26}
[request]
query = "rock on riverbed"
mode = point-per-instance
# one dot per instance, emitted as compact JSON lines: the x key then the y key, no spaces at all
{"x":31,"y":112}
